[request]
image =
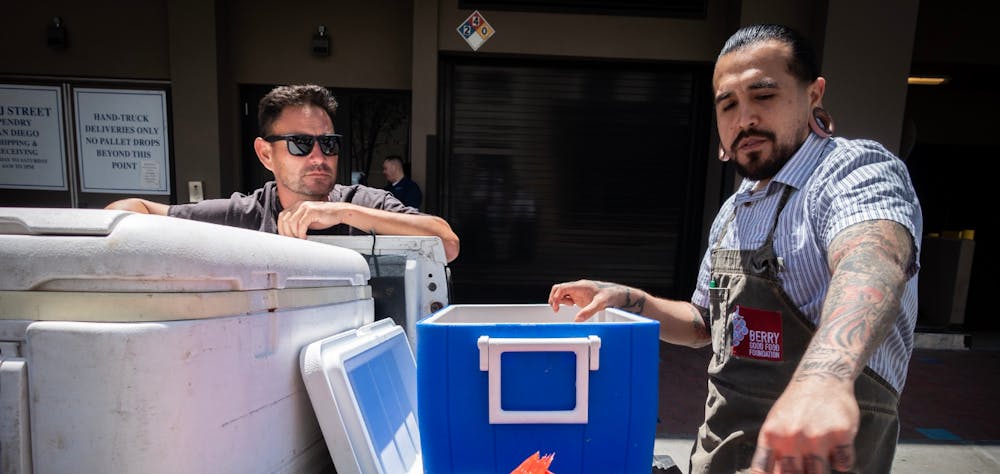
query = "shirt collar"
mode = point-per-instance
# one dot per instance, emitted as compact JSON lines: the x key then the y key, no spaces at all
{"x":796,"y":172}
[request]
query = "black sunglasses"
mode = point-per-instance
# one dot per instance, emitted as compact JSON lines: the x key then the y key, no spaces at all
{"x":302,"y":145}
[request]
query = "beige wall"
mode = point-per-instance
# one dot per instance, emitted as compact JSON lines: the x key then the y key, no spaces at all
{"x":194,"y":73}
{"x":423,"y":119}
{"x":866,"y":59}
{"x":797,"y":14}
{"x":370,"y":42}
{"x":591,"y":35}
{"x":107,"y":39}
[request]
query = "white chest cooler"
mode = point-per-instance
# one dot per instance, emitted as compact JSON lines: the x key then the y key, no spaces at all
{"x":136,"y":343}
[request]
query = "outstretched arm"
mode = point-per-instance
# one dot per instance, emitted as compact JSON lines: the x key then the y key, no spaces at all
{"x":869,"y":263}
{"x":298,"y":219}
{"x":139,"y":205}
{"x":680,"y":321}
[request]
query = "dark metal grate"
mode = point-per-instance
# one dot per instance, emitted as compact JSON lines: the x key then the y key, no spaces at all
{"x":559,"y":171}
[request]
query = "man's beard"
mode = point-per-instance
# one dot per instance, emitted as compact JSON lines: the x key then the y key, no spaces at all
{"x":760,"y":167}
{"x":305,"y":187}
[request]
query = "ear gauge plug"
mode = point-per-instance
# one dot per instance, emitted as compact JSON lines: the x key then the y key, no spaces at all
{"x":821,"y":123}
{"x":723,"y":157}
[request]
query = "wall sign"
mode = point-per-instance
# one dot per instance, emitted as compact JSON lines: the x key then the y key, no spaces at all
{"x":122,"y":142}
{"x":475,"y":30}
{"x":32,"y":142}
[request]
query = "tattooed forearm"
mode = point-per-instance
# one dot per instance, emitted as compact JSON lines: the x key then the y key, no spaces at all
{"x":699,"y":321}
{"x":858,"y":307}
{"x":869,"y":263}
{"x":635,"y":305}
{"x":821,"y":362}
{"x":639,"y":304}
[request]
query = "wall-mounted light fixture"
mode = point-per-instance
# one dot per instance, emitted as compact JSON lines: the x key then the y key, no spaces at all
{"x":56,"y":35}
{"x":926,"y":80}
{"x":321,"y":42}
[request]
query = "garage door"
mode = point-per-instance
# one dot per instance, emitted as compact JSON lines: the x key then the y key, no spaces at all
{"x":555,"y":170}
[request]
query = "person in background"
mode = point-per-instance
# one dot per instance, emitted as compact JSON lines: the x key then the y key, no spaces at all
{"x":400,"y":185}
{"x":808,"y":290}
{"x":299,"y":146}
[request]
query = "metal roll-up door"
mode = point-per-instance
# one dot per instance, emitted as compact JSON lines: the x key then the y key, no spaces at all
{"x":564,"y":169}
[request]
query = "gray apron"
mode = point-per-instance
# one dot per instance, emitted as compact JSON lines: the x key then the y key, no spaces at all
{"x":746,"y":379}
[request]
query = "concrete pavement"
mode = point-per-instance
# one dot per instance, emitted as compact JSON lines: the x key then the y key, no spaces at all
{"x":949,"y":410}
{"x":911,"y":457}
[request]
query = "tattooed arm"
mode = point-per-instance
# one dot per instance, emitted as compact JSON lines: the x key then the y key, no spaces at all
{"x":868,"y":262}
{"x":680,"y":322}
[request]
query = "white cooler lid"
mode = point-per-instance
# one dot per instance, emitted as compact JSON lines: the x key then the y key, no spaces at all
{"x":92,"y":250}
{"x":363,"y":387}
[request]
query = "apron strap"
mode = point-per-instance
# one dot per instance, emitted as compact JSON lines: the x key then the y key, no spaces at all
{"x":770,"y":235}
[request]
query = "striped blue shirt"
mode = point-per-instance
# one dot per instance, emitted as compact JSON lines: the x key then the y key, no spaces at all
{"x":838,"y":183}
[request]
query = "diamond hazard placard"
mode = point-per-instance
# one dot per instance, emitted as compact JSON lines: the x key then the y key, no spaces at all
{"x":475,"y":30}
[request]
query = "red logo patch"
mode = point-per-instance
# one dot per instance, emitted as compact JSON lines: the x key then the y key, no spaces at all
{"x":757,"y":334}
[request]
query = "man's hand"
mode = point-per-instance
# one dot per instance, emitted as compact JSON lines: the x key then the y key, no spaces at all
{"x":594,"y":296}
{"x":810,"y":429}
{"x":299,"y":218}
{"x":141,"y":206}
{"x":680,"y":321}
{"x":304,"y":215}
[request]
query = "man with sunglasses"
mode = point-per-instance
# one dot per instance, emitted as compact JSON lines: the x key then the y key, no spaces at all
{"x":299,"y":146}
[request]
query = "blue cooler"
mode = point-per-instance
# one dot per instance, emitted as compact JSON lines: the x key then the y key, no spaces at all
{"x":496,"y":384}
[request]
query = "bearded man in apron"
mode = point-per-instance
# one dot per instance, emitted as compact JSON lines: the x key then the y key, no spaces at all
{"x":808,"y":290}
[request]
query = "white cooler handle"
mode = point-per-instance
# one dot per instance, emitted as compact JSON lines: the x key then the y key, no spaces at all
{"x":587,"y":350}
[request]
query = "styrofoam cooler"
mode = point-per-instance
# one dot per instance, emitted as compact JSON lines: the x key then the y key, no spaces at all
{"x":409,"y":275}
{"x":138,"y":343}
{"x":496,"y":384}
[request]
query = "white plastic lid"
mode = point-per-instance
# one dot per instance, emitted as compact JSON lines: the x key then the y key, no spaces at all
{"x":116,"y":251}
{"x":363,"y":387}
{"x":44,"y":221}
